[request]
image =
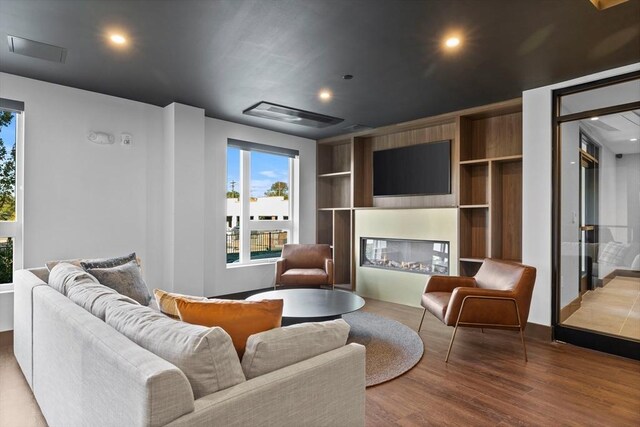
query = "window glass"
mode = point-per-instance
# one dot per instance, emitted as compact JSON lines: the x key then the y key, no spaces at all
{"x":269,"y":186}
{"x":259,"y":182}
{"x":617,"y":94}
{"x":7,"y":166}
{"x":8,"y":139}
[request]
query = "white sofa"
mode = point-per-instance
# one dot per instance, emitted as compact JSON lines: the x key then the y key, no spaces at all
{"x":85,"y":373}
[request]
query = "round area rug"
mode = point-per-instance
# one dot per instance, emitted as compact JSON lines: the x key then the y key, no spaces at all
{"x":392,"y":348}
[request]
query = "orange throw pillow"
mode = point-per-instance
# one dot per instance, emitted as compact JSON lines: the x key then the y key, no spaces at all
{"x":240,"y":319}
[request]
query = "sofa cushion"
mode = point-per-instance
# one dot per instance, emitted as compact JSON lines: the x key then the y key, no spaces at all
{"x":126,"y":279}
{"x":240,"y":319}
{"x":64,"y":276}
{"x":205,"y":355}
{"x":95,"y":298}
{"x":304,"y":276}
{"x":167,"y":301}
{"x":274,"y":349}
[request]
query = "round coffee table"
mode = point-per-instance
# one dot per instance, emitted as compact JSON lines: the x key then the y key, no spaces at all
{"x":312,"y":305}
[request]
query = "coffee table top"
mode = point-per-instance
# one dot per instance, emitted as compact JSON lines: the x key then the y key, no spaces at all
{"x":310,"y":303}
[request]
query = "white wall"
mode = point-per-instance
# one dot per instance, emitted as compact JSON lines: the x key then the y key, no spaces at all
{"x":220,"y":279}
{"x":536,"y":232}
{"x":87,"y":200}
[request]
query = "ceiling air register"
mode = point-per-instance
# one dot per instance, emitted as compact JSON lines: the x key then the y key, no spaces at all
{"x":267,"y":110}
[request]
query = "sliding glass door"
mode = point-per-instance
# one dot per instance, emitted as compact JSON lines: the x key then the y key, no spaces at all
{"x":596,"y":215}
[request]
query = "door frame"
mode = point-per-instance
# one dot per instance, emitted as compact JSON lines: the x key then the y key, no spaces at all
{"x":582,"y":337}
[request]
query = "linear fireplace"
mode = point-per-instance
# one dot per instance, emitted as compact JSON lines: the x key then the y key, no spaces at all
{"x":415,"y":256}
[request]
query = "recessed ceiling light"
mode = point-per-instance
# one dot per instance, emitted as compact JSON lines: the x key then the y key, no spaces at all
{"x":452,"y":42}
{"x":325,"y":94}
{"x":595,"y":118}
{"x":633,"y":139}
{"x":118,"y":39}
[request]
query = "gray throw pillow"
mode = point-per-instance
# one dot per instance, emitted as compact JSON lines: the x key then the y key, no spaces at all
{"x":107,"y":262}
{"x":125,"y":279}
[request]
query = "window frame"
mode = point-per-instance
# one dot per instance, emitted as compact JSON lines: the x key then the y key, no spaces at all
{"x":247,"y":225}
{"x":14,"y":229}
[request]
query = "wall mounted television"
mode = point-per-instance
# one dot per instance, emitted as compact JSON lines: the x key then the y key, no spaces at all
{"x":423,"y":169}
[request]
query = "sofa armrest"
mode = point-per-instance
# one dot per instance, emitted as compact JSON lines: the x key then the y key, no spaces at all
{"x":24,"y":283}
{"x":280,"y":268}
{"x":326,"y":390}
{"x":328,"y":268}
{"x":448,"y":283}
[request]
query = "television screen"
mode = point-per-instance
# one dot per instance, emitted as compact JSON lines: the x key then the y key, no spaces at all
{"x":421,"y":169}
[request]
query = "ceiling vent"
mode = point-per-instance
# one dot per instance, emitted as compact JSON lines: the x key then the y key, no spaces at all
{"x":267,"y":110}
{"x":357,"y":128}
{"x":36,"y":49}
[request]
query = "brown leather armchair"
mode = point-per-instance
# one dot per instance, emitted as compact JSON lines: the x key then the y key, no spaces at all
{"x":498,"y":296}
{"x":304,"y":266}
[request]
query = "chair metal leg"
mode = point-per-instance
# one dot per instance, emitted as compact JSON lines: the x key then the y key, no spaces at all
{"x":482,"y":330}
{"x":423,"y":313}
{"x":446,"y":360}
{"x":524,"y":347}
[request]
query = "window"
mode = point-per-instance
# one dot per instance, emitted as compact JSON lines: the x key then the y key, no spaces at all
{"x":10,"y":207}
{"x":259,"y":194}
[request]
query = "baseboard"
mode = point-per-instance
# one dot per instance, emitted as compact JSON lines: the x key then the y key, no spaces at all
{"x":6,"y":338}
{"x":570,"y":308}
{"x":539,"y":332}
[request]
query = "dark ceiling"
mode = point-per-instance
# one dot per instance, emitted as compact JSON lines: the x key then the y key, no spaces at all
{"x":225,"y":56}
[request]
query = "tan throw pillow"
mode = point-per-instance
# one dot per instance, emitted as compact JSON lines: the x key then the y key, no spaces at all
{"x":167,"y":301}
{"x":205,"y":355}
{"x":272,"y":350}
{"x":125,"y":279}
{"x":240,"y":319}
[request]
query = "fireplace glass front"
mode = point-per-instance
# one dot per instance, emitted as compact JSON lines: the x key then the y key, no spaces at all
{"x":416,"y":256}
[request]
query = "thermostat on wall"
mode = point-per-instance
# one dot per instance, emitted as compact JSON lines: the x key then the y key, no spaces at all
{"x":125,"y":139}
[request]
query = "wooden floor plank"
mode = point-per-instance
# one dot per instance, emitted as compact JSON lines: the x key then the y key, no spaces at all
{"x":487,"y":382}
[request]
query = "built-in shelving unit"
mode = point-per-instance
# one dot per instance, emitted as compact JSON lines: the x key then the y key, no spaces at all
{"x":486,"y":183}
{"x":335,"y":216}
{"x":490,"y":187}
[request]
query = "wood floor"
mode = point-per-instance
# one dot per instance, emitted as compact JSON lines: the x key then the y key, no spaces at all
{"x":486,"y":382}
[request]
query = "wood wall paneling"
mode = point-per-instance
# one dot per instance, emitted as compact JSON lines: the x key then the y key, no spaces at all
{"x":496,"y":136}
{"x":342,"y":246}
{"x":506,"y":210}
{"x":325,"y":227}
{"x":474,"y":229}
{"x":474,"y":179}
